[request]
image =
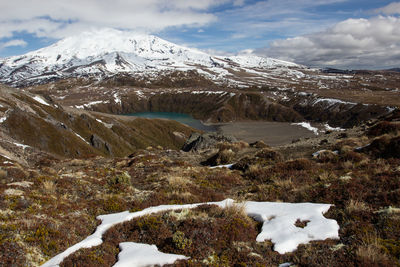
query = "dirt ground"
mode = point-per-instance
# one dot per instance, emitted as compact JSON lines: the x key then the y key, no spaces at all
{"x":272,"y":133}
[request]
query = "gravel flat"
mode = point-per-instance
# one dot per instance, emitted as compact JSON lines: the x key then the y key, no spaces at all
{"x":272,"y":133}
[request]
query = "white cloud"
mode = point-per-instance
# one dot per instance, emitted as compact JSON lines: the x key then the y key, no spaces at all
{"x":238,"y":2}
{"x":275,"y":17}
{"x":216,"y":52}
{"x":15,"y":42}
{"x":11,"y":43}
{"x":391,"y":9}
{"x":353,"y":43}
{"x":246,"y":52}
{"x":51,"y":18}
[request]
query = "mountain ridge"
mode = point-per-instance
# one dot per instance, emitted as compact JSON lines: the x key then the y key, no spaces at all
{"x":108,"y":52}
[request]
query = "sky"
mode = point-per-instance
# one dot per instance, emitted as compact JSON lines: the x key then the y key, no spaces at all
{"x":350,"y":34}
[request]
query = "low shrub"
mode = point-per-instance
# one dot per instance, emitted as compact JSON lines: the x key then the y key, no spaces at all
{"x":326,"y":156}
{"x":297,"y":165}
{"x":224,"y":156}
{"x":123,"y":179}
{"x":384,"y":127}
{"x":384,"y":147}
{"x":269,"y":154}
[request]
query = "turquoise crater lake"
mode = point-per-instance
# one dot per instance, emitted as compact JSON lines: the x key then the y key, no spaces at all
{"x":179,"y":117}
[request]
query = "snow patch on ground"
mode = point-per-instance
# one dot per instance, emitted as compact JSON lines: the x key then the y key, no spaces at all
{"x":117,"y":99}
{"x":390,"y":109}
{"x":81,"y":138}
{"x":137,"y":254}
{"x":222,"y":166}
{"x":139,"y":93}
{"x":4,"y":156}
{"x":308,"y":126}
{"x":332,"y":101}
{"x":279,"y":223}
{"x":3,"y":119}
{"x":208,"y":92}
{"x":329,"y":128}
{"x":88,"y":105}
{"x":108,"y":125}
{"x":21,"y":145}
{"x":41,"y":100}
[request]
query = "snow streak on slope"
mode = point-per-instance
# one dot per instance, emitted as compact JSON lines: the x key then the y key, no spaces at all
{"x":108,"y":52}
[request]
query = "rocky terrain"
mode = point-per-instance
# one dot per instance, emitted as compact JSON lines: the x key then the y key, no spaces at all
{"x":68,"y":155}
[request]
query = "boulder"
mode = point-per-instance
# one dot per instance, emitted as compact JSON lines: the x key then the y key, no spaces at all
{"x":199,"y":142}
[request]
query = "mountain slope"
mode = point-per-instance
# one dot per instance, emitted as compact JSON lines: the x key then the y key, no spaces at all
{"x":32,"y":125}
{"x":108,"y":52}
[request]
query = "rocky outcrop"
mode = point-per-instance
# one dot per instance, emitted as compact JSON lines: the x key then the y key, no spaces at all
{"x":99,"y":143}
{"x":199,"y":142}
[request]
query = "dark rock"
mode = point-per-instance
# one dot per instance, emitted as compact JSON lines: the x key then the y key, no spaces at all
{"x":198,"y":142}
{"x":243,"y":164}
{"x":324,"y":141}
{"x":97,"y":142}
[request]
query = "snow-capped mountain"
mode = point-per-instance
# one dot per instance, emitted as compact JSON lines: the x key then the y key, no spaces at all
{"x":108,"y":52}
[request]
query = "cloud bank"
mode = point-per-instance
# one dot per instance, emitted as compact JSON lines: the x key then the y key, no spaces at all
{"x":58,"y":19}
{"x":353,"y":43}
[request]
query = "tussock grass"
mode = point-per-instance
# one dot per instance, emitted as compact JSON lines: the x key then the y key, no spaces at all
{"x":356,"y":206}
{"x":49,"y":186}
{"x":370,"y":251}
{"x":178,"y":182}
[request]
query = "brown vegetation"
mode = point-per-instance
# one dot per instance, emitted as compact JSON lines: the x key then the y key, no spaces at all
{"x":48,"y":207}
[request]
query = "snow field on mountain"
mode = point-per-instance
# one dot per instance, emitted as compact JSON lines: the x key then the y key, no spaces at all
{"x":278,"y":225}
